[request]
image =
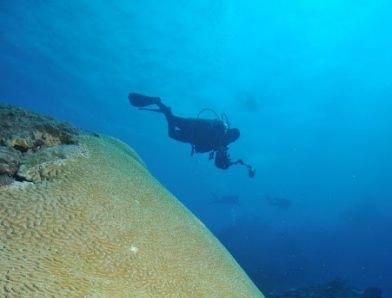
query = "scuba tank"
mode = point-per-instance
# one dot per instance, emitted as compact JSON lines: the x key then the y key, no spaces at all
{"x":223,"y":117}
{"x":222,"y":158}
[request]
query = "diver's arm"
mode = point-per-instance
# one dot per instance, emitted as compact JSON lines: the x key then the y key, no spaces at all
{"x":251,"y":170}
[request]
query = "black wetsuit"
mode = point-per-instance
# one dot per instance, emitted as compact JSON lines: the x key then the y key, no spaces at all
{"x":205,"y":135}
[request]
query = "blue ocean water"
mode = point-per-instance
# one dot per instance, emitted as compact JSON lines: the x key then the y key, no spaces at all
{"x":307,"y":82}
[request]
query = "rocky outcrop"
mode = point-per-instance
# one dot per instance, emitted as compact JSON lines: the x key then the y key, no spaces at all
{"x":28,"y":139}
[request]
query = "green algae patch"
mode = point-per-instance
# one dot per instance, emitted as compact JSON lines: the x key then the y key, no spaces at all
{"x":90,"y":221}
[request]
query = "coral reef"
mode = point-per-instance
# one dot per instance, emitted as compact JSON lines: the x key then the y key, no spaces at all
{"x":337,"y":288}
{"x":80,"y":216}
{"x":372,"y":292}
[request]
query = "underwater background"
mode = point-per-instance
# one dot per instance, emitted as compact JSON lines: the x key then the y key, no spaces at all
{"x":307,"y":82}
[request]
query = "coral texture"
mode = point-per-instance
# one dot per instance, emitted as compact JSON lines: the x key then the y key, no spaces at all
{"x":84,"y":218}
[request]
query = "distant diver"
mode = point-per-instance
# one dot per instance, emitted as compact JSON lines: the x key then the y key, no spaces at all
{"x":205,"y":135}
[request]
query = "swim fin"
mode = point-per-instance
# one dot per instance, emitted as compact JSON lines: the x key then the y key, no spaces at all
{"x":139,"y":100}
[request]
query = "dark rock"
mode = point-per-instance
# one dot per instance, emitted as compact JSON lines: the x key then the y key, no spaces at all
{"x":9,"y":161}
{"x":26,"y":131}
{"x":6,"y":180}
{"x":372,"y":293}
{"x":27,"y":140}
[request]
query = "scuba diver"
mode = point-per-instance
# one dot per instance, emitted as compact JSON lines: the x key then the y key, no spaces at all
{"x":205,"y":135}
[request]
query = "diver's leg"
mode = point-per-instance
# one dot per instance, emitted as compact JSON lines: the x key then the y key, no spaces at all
{"x":164,"y":109}
{"x":173,"y":129}
{"x":140,"y":101}
{"x":178,"y":128}
{"x":174,"y":123}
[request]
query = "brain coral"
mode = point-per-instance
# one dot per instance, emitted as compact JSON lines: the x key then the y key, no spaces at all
{"x":80,"y":216}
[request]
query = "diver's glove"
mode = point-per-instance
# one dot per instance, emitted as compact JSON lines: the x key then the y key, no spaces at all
{"x":251,"y":170}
